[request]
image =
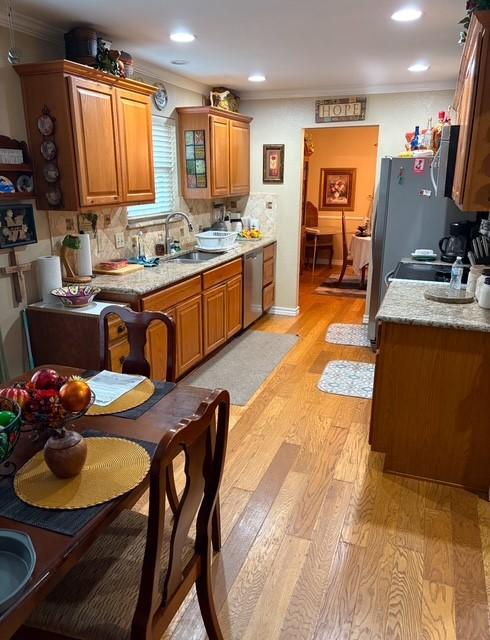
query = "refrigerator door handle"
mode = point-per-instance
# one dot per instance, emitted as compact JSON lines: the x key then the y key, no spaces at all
{"x":433,"y":165}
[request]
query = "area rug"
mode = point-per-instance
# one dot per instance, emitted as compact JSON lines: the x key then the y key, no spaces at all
{"x":355,"y":335}
{"x":243,"y":365}
{"x":346,"y":378}
{"x":340,"y":292}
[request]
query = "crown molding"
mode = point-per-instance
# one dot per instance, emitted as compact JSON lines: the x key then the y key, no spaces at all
{"x":155,"y":72}
{"x":49,"y":33}
{"x":348,"y":91}
{"x":32,"y":27}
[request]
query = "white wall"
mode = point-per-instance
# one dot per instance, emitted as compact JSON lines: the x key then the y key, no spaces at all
{"x":283,"y":121}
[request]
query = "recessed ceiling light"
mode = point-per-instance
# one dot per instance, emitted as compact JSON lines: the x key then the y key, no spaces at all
{"x":407,"y":14}
{"x":182,"y":36}
{"x":179,"y":62}
{"x":256,"y":77}
{"x":419,"y":66}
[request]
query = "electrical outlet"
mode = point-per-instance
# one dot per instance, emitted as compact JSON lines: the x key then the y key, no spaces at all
{"x":119,"y":240}
{"x":107,"y":220}
{"x":134,"y":242}
{"x":100,"y":242}
{"x":69,"y":225}
{"x":268,"y":204}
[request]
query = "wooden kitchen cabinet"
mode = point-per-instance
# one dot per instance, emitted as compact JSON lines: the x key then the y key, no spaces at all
{"x":432,"y":427}
{"x":96,"y":140}
{"x":471,"y":185}
{"x":234,"y":306}
{"x":136,"y":140}
{"x":219,"y":154}
{"x":217,"y":142}
{"x":268,"y":277}
{"x":214,"y":317}
{"x":102,"y":133}
{"x":188,"y":318}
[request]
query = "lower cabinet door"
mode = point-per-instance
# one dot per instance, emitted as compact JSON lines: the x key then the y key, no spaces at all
{"x":118,"y":351}
{"x":214,"y":314}
{"x":234,"y":306}
{"x":156,"y":350}
{"x":189,"y":334}
{"x":268,"y":297}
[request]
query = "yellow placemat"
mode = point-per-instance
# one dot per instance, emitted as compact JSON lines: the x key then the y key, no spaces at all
{"x":113,"y":467}
{"x":129,"y":400}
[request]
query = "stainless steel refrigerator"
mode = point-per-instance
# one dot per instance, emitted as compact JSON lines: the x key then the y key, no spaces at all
{"x":409,"y":216}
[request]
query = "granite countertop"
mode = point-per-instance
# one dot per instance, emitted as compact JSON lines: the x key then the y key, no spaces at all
{"x":169,"y":272}
{"x":405,"y":303}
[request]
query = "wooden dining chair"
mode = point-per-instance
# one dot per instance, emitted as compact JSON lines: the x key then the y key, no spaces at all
{"x":346,"y":257}
{"x":314,"y":239}
{"x":137,"y":323}
{"x":135,"y":576}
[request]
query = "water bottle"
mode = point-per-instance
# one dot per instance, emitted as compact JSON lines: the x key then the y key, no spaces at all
{"x":457,"y":273}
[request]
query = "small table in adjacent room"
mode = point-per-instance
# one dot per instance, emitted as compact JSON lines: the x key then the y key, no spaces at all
{"x":360,"y":250}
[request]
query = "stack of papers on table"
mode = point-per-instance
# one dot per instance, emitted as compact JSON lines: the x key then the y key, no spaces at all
{"x":109,"y":386}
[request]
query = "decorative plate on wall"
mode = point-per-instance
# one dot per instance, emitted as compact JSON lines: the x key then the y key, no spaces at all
{"x":6,"y":185}
{"x":48,"y":150}
{"x":25,"y":184}
{"x":160,"y":97}
{"x":45,"y":124}
{"x":51,"y":172}
{"x":53,"y":196}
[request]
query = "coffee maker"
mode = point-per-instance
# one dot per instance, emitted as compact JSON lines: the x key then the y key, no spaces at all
{"x":457,"y":243}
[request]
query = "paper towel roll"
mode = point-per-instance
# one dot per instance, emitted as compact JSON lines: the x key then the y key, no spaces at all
{"x":49,"y":276}
{"x":84,"y":256}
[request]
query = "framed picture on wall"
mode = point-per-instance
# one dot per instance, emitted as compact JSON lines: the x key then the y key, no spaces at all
{"x":17,"y":225}
{"x":337,"y":189}
{"x":273,"y":163}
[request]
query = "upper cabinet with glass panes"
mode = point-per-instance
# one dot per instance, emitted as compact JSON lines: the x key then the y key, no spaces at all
{"x":90,"y":136}
{"x":214,"y":152}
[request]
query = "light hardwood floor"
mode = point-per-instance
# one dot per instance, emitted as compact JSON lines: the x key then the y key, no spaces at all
{"x":318,"y":542}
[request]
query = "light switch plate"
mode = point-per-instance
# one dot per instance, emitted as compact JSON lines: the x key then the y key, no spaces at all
{"x":119,"y":240}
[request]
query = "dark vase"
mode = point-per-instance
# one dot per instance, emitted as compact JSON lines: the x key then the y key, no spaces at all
{"x":65,"y":454}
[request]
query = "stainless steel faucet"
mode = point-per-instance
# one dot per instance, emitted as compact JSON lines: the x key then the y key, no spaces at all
{"x":170,"y":218}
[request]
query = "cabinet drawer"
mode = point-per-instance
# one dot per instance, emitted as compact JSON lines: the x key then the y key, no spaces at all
{"x":220,"y":274}
{"x":117,"y":353}
{"x":268,"y":272}
{"x":173,"y":295}
{"x":268,"y":297}
{"x":116,"y":329}
{"x":269,"y":252}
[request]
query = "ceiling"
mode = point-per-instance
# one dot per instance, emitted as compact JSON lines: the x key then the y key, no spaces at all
{"x":303,"y":47}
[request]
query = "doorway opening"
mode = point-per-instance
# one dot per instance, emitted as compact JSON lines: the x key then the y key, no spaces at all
{"x":339,"y":174}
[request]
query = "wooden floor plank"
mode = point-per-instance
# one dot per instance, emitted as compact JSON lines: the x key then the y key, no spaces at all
{"x":410,"y":525}
{"x":438,"y":556}
{"x":354,"y":453}
{"x":338,"y":608}
{"x":361,"y":509}
{"x":438,"y":620}
{"x":319,"y":477}
{"x":271,"y":608}
{"x":247,"y":588}
{"x":404,"y":614}
{"x":306,"y":602}
{"x":470,"y":595}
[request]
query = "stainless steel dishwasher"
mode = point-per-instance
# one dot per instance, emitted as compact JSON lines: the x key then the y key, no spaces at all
{"x":252,"y":286}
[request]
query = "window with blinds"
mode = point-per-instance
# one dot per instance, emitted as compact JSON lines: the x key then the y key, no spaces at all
{"x":165,"y":160}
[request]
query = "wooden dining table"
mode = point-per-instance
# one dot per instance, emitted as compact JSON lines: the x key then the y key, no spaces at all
{"x":58,"y":553}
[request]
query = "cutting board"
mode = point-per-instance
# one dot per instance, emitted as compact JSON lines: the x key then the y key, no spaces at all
{"x":123,"y":271}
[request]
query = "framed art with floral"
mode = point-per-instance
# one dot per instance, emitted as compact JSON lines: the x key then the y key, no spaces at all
{"x":273,"y":163}
{"x":337,"y":189}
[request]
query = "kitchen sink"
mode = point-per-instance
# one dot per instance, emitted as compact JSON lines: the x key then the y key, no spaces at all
{"x":196,"y":256}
